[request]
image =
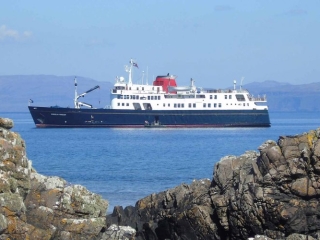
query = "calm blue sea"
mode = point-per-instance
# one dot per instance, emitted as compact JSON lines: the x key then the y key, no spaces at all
{"x":124,"y":165}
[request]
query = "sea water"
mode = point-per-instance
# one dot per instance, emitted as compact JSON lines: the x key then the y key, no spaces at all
{"x":125,"y":165}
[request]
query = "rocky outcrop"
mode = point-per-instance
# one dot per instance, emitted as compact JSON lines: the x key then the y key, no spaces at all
{"x":270,"y":194}
{"x":33,"y":206}
{"x":183,"y":212}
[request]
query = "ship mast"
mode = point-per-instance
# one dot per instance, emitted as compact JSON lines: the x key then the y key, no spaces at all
{"x":241,"y":83}
{"x":130,"y":72}
{"x":75,"y":93}
{"x":142,"y":77}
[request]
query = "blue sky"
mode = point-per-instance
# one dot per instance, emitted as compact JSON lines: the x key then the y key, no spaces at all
{"x":213,"y":42}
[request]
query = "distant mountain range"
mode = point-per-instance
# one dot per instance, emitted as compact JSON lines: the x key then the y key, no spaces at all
{"x":288,"y":97}
{"x":49,"y":90}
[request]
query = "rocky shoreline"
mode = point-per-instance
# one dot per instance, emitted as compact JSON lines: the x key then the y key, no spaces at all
{"x":270,"y":194}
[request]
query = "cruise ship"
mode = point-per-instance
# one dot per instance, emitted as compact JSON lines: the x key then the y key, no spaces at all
{"x":162,"y":104}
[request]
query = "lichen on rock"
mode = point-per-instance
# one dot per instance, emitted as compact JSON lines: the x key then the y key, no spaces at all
{"x":33,"y":206}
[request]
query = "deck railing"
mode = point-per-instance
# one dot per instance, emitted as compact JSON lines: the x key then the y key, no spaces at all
{"x":258,"y":99}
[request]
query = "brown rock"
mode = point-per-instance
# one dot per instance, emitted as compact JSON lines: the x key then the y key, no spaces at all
{"x":33,"y":206}
{"x":303,"y":187}
{"x":6,"y":123}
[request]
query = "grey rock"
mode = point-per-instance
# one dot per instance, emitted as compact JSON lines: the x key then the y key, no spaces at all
{"x":270,"y":194}
{"x":297,"y":236}
{"x":119,"y":233}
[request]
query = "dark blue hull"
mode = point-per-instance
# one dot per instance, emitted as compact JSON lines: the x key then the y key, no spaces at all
{"x":71,"y":117}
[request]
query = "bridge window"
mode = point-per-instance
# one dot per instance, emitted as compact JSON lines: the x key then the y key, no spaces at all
{"x":215,"y":97}
{"x":209,"y":105}
{"x":210,"y":96}
{"x":148,"y":97}
{"x":225,"y":97}
{"x":175,"y":105}
{"x":204,"y":105}
{"x":219,"y":105}
{"x":215,"y":105}
{"x":240,"y":97}
{"x":182,"y":105}
{"x":194,"y":105}
{"x":230,"y":96}
{"x":200,"y":96}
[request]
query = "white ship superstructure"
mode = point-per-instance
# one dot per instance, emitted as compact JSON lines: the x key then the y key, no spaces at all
{"x":165,"y":95}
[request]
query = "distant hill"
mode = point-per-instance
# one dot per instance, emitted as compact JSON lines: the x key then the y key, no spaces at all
{"x":288,"y":97}
{"x":49,"y":90}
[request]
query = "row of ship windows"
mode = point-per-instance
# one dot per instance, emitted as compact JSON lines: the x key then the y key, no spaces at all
{"x":137,"y":97}
{"x":239,"y":97}
{"x":126,"y":88}
{"x":181,"y":105}
{"x":209,"y":105}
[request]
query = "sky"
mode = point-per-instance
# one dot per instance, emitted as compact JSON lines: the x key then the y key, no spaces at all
{"x":213,"y":42}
